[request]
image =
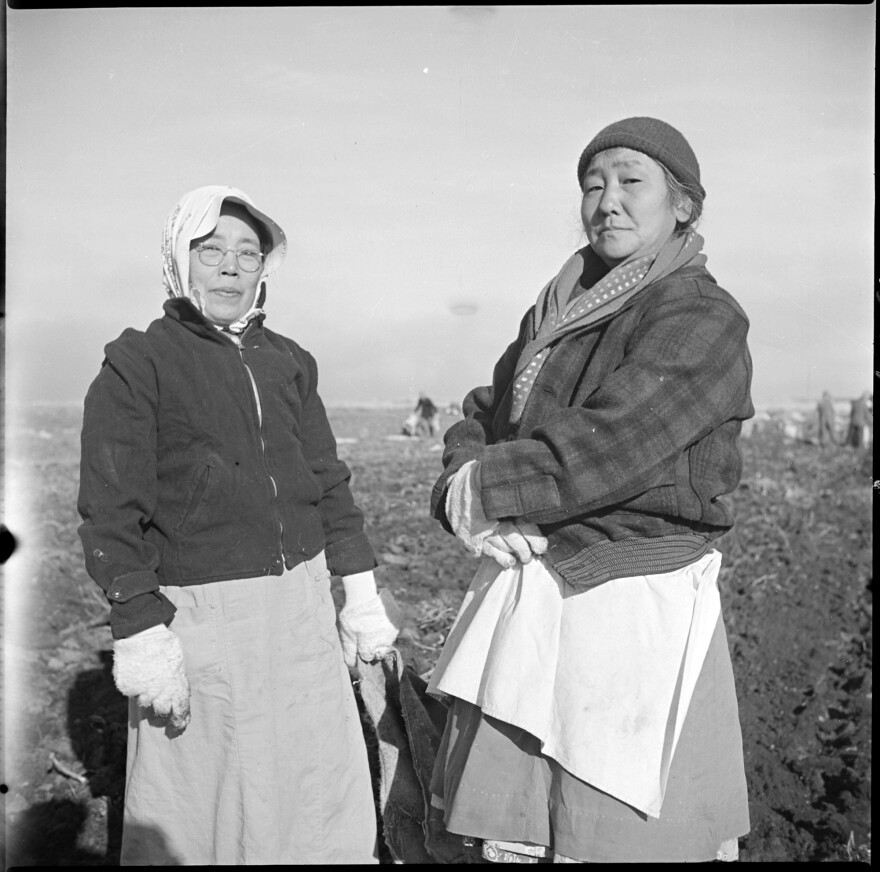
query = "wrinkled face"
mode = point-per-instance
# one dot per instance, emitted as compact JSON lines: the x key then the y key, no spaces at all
{"x":626,"y":207}
{"x":227,"y":291}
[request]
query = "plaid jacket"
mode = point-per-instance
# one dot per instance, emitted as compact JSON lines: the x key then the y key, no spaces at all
{"x":628,"y":441}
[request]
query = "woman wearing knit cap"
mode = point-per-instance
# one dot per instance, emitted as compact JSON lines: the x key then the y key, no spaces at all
{"x":592,"y":710}
{"x":214,"y":511}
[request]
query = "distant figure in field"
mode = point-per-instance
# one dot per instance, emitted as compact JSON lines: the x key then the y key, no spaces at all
{"x":825,"y":408}
{"x":411,"y":425}
{"x":860,"y":422}
{"x":429,"y":416}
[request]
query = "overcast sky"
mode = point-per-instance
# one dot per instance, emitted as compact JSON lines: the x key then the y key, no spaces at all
{"x":422,"y":162}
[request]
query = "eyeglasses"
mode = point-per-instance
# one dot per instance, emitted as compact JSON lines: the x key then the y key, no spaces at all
{"x":247,"y":259}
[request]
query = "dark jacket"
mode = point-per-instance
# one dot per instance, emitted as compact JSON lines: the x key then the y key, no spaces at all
{"x":185,"y":480}
{"x":628,"y":440}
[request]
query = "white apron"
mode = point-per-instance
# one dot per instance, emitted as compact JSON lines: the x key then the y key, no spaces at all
{"x":602,"y":677}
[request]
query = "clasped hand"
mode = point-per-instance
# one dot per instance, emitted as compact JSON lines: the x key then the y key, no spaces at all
{"x":506,"y":542}
{"x":512,"y":542}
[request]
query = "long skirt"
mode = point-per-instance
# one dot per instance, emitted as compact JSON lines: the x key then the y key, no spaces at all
{"x":495,"y":783}
{"x":273,"y":767}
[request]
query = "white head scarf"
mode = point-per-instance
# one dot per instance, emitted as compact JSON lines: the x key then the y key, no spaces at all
{"x":196,"y":215}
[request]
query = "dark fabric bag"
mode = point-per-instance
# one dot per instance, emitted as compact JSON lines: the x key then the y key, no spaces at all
{"x":408,"y":725}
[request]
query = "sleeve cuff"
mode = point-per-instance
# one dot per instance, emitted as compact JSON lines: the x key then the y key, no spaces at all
{"x":350,"y":556}
{"x":140,"y":613}
{"x":132,"y":584}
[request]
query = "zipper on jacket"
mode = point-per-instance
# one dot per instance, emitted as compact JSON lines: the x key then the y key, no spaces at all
{"x":253,"y":382}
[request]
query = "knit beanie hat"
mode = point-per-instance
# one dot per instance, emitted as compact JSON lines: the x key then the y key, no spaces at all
{"x":657,"y":139}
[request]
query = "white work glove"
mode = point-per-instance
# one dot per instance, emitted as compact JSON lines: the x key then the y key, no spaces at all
{"x":149,"y":666}
{"x":369,"y":621}
{"x":464,"y":510}
{"x":521,"y":541}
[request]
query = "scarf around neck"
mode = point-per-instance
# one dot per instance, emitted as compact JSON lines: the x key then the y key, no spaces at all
{"x":564,"y":306}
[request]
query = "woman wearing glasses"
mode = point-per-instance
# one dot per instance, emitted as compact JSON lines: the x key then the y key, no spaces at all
{"x":214,"y":511}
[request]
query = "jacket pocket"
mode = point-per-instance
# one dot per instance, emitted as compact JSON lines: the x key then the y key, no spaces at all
{"x":196,"y":499}
{"x":308,"y":488}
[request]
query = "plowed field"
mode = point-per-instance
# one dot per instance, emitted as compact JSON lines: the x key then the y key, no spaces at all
{"x":795,"y":587}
